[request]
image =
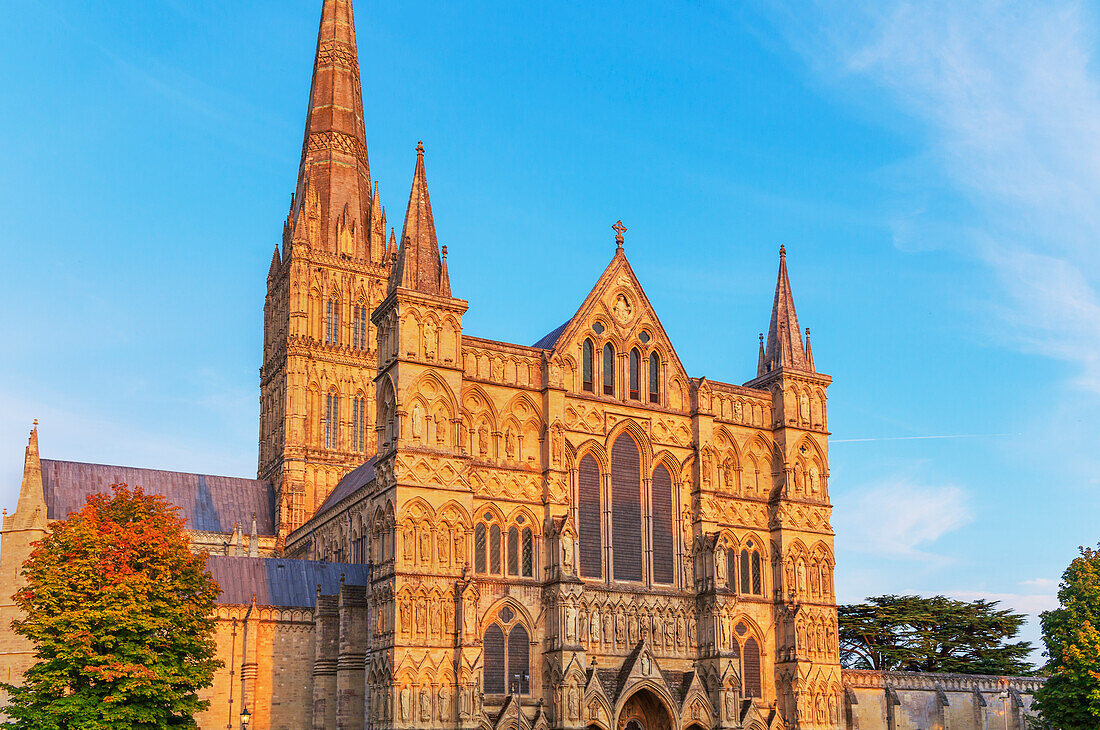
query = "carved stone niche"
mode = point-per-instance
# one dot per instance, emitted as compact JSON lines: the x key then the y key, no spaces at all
{"x":563,"y":549}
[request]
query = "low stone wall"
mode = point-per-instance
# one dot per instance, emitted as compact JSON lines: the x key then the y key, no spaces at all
{"x":927,"y":701}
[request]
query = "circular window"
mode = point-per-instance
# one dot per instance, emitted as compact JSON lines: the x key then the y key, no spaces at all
{"x":520,"y":519}
{"x":644,"y":336}
{"x":598,"y":328}
{"x":506,"y":614}
{"x":488,"y":516}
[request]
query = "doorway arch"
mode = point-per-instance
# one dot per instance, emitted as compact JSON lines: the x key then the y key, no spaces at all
{"x":645,"y":710}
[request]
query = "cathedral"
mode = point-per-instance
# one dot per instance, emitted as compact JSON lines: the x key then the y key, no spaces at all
{"x":448,"y":531}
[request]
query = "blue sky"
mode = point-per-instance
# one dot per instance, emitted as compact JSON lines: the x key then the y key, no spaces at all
{"x":932,"y":168}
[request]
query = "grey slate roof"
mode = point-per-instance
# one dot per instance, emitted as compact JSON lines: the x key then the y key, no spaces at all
{"x":551,"y":338}
{"x":355,"y":479}
{"x":208,"y":503}
{"x":280,"y":582}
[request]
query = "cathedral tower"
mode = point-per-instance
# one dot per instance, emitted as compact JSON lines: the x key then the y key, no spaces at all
{"x":807,"y":663}
{"x":316,"y":382}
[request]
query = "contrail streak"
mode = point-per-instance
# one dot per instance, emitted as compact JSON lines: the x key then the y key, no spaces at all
{"x":922,"y":438}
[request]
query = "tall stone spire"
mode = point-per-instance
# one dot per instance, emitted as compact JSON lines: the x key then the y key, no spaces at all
{"x":30,"y":510}
{"x":784,"y":347}
{"x":419,"y":265}
{"x":334,"y":165}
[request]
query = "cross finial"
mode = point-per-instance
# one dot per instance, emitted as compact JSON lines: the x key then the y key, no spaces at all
{"x":619,"y":229}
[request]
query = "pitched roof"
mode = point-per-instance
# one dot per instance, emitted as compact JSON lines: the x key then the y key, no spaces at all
{"x":551,"y":338}
{"x":280,"y":582}
{"x":353,"y":481}
{"x":208,"y":503}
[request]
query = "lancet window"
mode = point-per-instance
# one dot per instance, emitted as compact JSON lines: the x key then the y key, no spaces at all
{"x":635,"y":374}
{"x":359,"y":423}
{"x":654,"y":378}
{"x":626,"y":509}
{"x":506,"y":646}
{"x":752,"y":578}
{"x":332,"y":321}
{"x":587,"y":367}
{"x":663,"y":527}
{"x":332,"y":419}
{"x":359,"y":327}
{"x":589,"y":508}
{"x":608,"y":369}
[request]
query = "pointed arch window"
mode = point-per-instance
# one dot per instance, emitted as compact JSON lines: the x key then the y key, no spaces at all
{"x":332,"y":321}
{"x":654,"y":378}
{"x":494,"y":549}
{"x":507,"y":661}
{"x":589,"y":508}
{"x":587,"y":367}
{"x":480,"y":541}
{"x":662,"y":525}
{"x":626,"y":509}
{"x":359,"y":424}
{"x":752,"y":577}
{"x":608,"y":369}
{"x":635,"y":374}
{"x":753,"y":678}
{"x":332,"y":419}
{"x":359,"y":327}
{"x":513,"y":550}
{"x":527,"y":566}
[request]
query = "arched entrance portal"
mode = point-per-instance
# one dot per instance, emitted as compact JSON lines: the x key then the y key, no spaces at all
{"x":644,"y":711}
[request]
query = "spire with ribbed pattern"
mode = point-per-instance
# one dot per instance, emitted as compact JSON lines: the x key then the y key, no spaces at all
{"x":419,"y":265}
{"x":334,"y":165}
{"x":784,"y":348}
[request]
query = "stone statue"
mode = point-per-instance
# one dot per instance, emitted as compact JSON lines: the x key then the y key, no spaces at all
{"x":801,"y":577}
{"x":464,"y":702}
{"x":594,"y":627}
{"x":570,"y":622}
{"x":469,"y":618}
{"x":509,"y":444}
{"x":406,"y":701}
{"x":444,"y":699}
{"x":431,"y":340}
{"x":567,"y":553}
{"x":440,"y":429}
{"x":814,"y":476}
{"x":731,"y":705}
{"x":483,"y":440}
{"x":719,"y":566}
{"x":409,"y":544}
{"x":644,"y":664}
{"x":804,"y":408}
{"x":442,"y":546}
{"x":417,"y":421}
{"x":574,"y":703}
{"x":425,"y":547}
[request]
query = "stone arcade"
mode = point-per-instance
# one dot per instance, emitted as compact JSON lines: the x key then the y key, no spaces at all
{"x":454,"y":532}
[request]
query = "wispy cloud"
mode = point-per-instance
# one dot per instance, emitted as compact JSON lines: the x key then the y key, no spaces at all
{"x":1010,"y":102}
{"x":901,"y":518}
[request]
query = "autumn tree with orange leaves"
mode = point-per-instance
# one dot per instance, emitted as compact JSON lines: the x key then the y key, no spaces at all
{"x":121,"y":615}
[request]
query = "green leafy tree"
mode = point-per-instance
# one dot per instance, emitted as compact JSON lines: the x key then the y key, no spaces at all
{"x":121,"y":614}
{"x":938,"y":634}
{"x":1070,"y":698}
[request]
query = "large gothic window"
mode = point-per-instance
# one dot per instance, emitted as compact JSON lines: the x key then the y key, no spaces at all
{"x":332,"y":419}
{"x":608,"y":369}
{"x":589,"y":506}
{"x":654,"y":378}
{"x":635,"y":375}
{"x":662,"y":522}
{"x":587,"y":367}
{"x":506,"y":646}
{"x":626,"y":509}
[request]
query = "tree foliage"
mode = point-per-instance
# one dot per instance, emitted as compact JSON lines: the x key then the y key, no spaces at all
{"x":938,"y":634}
{"x":1070,"y":698}
{"x":121,"y":615}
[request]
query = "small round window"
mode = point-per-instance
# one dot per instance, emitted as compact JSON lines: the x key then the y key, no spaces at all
{"x":644,"y":336}
{"x":598,"y":328}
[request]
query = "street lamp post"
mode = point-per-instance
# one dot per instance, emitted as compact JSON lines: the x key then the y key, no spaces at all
{"x":1005,"y":696}
{"x":246,"y":718}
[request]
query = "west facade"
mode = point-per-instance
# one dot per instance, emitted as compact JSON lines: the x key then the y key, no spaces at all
{"x":448,"y":531}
